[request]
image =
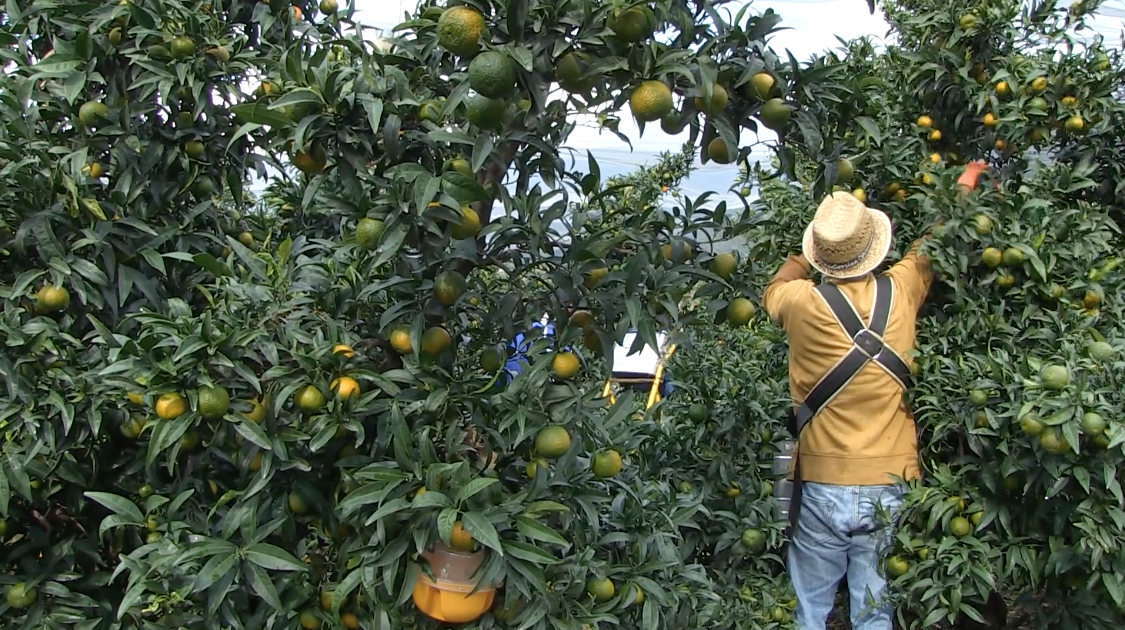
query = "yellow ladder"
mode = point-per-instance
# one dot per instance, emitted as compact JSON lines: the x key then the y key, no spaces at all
{"x":653,"y":392}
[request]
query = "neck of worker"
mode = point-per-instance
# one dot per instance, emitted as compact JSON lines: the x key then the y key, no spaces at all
{"x":850,"y":280}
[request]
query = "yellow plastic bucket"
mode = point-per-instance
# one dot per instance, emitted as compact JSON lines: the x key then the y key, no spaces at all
{"x":451,"y":602}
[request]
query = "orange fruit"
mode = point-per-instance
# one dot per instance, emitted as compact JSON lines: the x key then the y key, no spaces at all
{"x":469,"y":225}
{"x":296,"y":504}
{"x":257,"y":411}
{"x":1054,"y":377}
{"x":213,"y":402}
{"x":308,"y":619}
{"x":93,"y":170}
{"x":535,"y":465}
{"x":52,"y":299}
{"x":606,"y":464}
{"x":309,"y":399}
{"x":1030,"y":425}
{"x":897,"y":566}
{"x":1091,"y":300}
{"x":552,"y":442}
{"x":460,"y":539}
{"x":740,"y":311}
{"x":581,"y":319}
{"x":343,"y":350}
{"x":594,"y":276}
{"x":960,"y":527}
{"x":170,"y":406}
{"x":724,"y":265}
{"x":345,"y":387}
{"x":435,"y":341}
{"x":565,"y":365}
{"x":753,"y":539}
{"x":601,"y":589}
{"x":591,"y":340}
{"x":491,"y":359}
{"x":400,"y":340}
{"x":761,"y":86}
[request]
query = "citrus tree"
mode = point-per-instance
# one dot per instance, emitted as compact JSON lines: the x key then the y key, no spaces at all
{"x":1018,"y":364}
{"x":224,"y":415}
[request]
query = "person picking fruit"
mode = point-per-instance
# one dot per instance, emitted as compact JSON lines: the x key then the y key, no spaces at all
{"x":849,"y":339}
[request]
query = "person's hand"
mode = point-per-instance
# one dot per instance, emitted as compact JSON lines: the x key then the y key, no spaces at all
{"x":972,"y":174}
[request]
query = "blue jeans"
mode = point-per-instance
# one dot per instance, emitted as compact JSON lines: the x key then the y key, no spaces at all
{"x":837,"y":534}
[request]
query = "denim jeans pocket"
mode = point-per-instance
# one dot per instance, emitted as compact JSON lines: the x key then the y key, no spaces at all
{"x":816,"y":522}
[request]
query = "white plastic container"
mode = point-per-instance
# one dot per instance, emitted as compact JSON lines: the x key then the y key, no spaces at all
{"x":782,"y":491}
{"x":783,"y":461}
{"x":783,"y":487}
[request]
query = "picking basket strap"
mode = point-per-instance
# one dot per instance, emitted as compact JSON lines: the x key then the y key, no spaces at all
{"x":867,"y":345}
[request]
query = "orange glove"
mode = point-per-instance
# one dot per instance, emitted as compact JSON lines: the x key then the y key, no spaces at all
{"x":972,"y":173}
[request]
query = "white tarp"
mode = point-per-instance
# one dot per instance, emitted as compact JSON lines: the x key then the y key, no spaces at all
{"x":643,"y":362}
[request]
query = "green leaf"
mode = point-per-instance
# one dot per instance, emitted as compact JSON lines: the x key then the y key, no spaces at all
{"x":114,"y":520}
{"x":364,"y":495}
{"x":242,"y":130}
{"x":273,"y":558}
{"x":260,"y":581}
{"x":474,"y":487}
{"x":530,"y":553}
{"x":544,"y":507}
{"x":218,"y":566}
{"x":254,"y":433}
{"x":483,"y":531}
{"x":299,"y":96}
{"x":463,"y":188}
{"x":374,"y":109}
{"x":212,"y":265}
{"x":388,"y":508}
{"x":538,"y":531}
{"x":431,"y":498}
{"x":260,"y":113}
{"x":445,"y":522}
{"x":166,"y":433}
{"x":118,"y":505}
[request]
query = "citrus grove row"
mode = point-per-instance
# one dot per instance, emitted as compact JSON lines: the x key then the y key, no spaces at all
{"x":304,"y":409}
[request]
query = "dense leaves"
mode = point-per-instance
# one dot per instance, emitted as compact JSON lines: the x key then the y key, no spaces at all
{"x":1018,"y":361}
{"x":230,"y":412}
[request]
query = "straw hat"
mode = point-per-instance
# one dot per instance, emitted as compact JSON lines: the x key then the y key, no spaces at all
{"x":846,"y":239}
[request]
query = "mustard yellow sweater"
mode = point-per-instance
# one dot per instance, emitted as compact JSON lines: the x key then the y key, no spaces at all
{"x":866,"y":433}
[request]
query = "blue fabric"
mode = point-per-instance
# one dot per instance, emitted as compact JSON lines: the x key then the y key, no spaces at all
{"x":837,"y":534}
{"x":518,"y":347}
{"x":666,"y":387}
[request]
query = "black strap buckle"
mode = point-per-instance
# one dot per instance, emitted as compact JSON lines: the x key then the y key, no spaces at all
{"x":867,"y":342}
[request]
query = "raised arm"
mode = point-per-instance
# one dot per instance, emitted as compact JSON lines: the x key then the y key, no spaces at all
{"x":913,"y":274}
{"x":787,"y":287}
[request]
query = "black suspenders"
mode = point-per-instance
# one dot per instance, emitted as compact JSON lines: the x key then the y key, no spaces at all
{"x":867,"y":345}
